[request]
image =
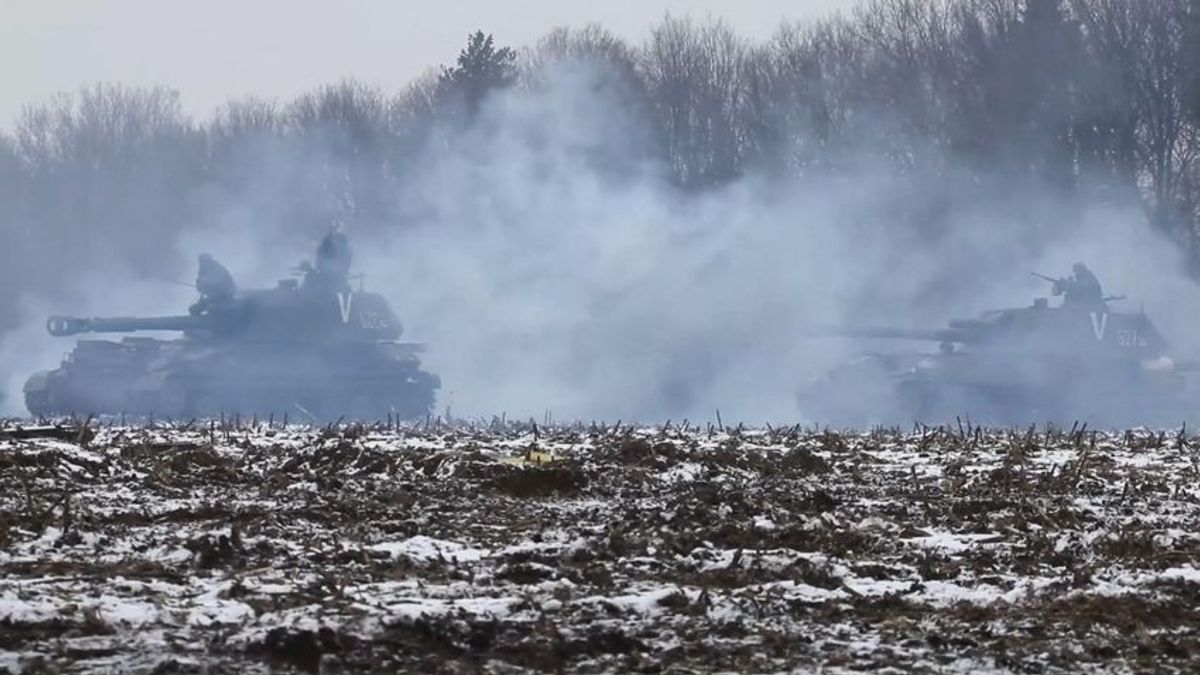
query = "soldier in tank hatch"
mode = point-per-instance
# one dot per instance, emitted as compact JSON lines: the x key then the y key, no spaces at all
{"x":1081,"y":289}
{"x":215,"y":284}
{"x":333,"y":255}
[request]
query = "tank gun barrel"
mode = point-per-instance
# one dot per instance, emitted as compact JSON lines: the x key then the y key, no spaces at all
{"x":64,"y":326}
{"x":889,"y":333}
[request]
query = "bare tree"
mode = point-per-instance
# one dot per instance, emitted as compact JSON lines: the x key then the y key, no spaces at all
{"x":1106,"y":131}
{"x":1162,"y":113}
{"x":246,"y":117}
{"x":794,"y":113}
{"x":109,"y":172}
{"x":695,"y":76}
{"x":343,"y":135}
{"x":592,"y":43}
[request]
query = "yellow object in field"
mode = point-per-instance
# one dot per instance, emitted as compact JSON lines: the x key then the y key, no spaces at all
{"x":531,"y":457}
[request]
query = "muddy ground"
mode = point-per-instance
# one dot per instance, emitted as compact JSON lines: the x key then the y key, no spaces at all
{"x":590,"y":549}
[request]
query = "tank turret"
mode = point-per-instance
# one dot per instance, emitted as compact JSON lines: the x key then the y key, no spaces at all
{"x":890,"y":333}
{"x":286,"y":313}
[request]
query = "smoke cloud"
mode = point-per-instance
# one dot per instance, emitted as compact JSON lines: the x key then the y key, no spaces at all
{"x":552,"y":267}
{"x":543,"y":282}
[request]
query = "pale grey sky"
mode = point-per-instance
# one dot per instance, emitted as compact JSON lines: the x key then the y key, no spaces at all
{"x":220,"y":49}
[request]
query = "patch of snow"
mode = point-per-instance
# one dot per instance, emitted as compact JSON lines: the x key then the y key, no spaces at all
{"x":953,"y":543}
{"x":764,"y":523}
{"x":221,"y":613}
{"x":682,"y":473}
{"x":425,"y":548}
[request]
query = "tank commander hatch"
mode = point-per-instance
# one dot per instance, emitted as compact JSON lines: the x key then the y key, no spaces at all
{"x":214,"y":283}
{"x":1081,"y":289}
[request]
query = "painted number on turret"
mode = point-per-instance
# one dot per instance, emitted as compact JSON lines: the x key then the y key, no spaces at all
{"x":344,"y":302}
{"x":1126,"y":338}
{"x":1131,"y":339}
{"x":372,"y":321}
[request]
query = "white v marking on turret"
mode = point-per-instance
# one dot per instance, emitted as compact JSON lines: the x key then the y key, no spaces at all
{"x":345,"y":299}
{"x":1099,"y":324}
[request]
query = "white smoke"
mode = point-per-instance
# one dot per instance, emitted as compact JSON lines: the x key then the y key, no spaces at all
{"x":553,"y":268}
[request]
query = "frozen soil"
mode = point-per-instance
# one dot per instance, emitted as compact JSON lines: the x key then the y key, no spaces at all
{"x":207,"y":549}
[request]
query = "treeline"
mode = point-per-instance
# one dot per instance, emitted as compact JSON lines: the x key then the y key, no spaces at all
{"x":1079,"y":101}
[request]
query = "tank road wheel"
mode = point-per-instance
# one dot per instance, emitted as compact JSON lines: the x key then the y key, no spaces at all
{"x":165,"y":399}
{"x":376,"y":406}
{"x":37,"y":403}
{"x":916,"y":401}
{"x":364,"y":406}
{"x":410,"y":398}
{"x":203,"y":403}
{"x":37,"y":394}
{"x":414,"y":398}
{"x":173,"y":399}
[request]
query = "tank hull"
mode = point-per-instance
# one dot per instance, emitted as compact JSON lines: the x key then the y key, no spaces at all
{"x":942,"y":389}
{"x":183,"y":379}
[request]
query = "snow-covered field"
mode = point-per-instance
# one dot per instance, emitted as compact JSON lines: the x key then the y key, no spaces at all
{"x":598,"y":549}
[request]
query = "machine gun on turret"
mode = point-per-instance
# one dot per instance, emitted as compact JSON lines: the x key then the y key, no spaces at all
{"x":1060,"y":283}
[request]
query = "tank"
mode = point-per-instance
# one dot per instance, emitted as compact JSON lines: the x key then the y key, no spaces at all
{"x":1062,"y":364}
{"x":314,"y":349}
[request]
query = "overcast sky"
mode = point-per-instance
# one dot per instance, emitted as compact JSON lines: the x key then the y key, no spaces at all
{"x":220,"y":49}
